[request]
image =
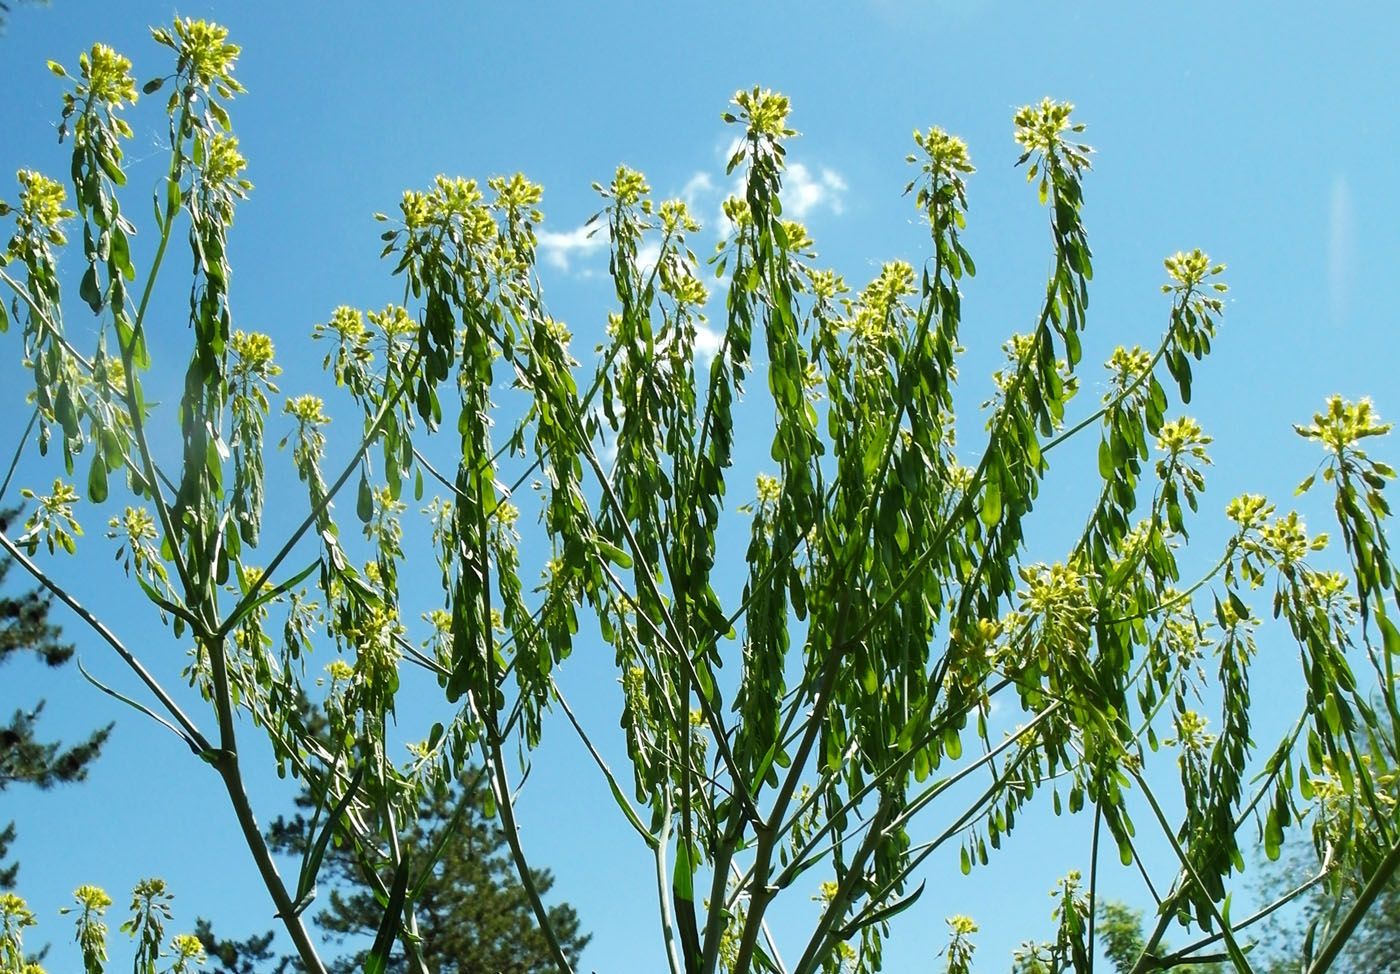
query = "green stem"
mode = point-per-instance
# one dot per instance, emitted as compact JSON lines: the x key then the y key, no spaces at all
{"x":500,"y":783}
{"x":107,"y":635}
{"x":1184,"y":954}
{"x":663,"y":886}
{"x":1236,"y":954}
{"x":1379,"y":880}
{"x":633,"y":819}
{"x":235,"y":616}
{"x":820,"y":941}
{"x":19,"y":450}
{"x":227,"y":763}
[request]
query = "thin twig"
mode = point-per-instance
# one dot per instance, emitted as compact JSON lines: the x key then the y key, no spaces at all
{"x":110,"y":638}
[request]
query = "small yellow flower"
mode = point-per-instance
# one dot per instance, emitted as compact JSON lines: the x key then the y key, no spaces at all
{"x":254,"y":352}
{"x":188,"y":947}
{"x":92,"y":898}
{"x":946,"y":154}
{"x":629,"y":186}
{"x":1188,"y":270}
{"x":962,"y":925}
{"x":307,"y":409}
{"x":769,"y":489}
{"x":41,"y":199}
{"x":1039,"y":127}
{"x":108,"y":76}
{"x":203,"y":47}
{"x":764,"y":111}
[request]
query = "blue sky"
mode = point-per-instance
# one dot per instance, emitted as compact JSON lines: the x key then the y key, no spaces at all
{"x":1265,"y":137}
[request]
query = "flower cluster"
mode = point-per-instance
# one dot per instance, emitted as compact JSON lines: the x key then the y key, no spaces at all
{"x":1040,"y":129}
{"x":1343,"y":424}
{"x":206,"y":57}
{"x":763,"y":112}
{"x":1188,"y":271}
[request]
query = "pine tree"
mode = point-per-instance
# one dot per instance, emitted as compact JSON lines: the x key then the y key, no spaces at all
{"x":473,"y":915}
{"x":24,"y":757}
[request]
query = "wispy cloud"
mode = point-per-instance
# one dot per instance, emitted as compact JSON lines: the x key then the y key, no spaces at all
{"x":559,"y":248}
{"x":707,"y":342}
{"x":647,"y":256}
{"x":697,"y":186}
{"x":1341,"y":249}
{"x":805,"y":191}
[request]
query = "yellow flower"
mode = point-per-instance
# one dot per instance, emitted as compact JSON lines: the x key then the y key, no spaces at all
{"x":92,"y":898}
{"x":41,"y":199}
{"x":108,"y":75}
{"x":307,"y":409}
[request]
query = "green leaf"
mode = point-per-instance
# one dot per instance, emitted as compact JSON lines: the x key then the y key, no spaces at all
{"x":991,"y":503}
{"x":1273,"y":837}
{"x":364,"y":500}
{"x":952,"y":743}
{"x":97,"y":480}
{"x":311,"y":863}
{"x":172,"y":198}
{"x":220,"y":116}
{"x":614,"y":554}
{"x":1105,"y":460}
{"x":882,"y":914}
{"x":378,"y":959}
{"x":89,"y":290}
{"x":1389,"y":635}
{"x":682,"y":876}
{"x":1238,"y":605}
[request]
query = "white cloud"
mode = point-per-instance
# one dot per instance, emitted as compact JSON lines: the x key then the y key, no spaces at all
{"x":647,"y":256}
{"x":558,"y":248}
{"x":804,"y":191}
{"x":1341,"y":249}
{"x":707,"y":343}
{"x":698,"y":185}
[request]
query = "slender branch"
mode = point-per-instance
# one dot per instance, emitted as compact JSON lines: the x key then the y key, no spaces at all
{"x":370,"y":436}
{"x":1379,"y":880}
{"x":767,"y":933}
{"x":917,"y":804}
{"x":1185,"y":953}
{"x":227,"y":762}
{"x":839,"y":904}
{"x":135,"y":413}
{"x":110,"y":638}
{"x":663,"y":886}
{"x":57,"y":333}
{"x":136,"y":705}
{"x":712,"y":717}
{"x":1117,"y":400}
{"x":1236,"y":954}
{"x":500,"y":785}
{"x":1094,"y":879}
{"x":408,"y":927}
{"x":617,"y":791}
{"x":19,"y":451}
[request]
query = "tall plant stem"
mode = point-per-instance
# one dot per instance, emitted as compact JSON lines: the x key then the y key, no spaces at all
{"x":226,"y":761}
